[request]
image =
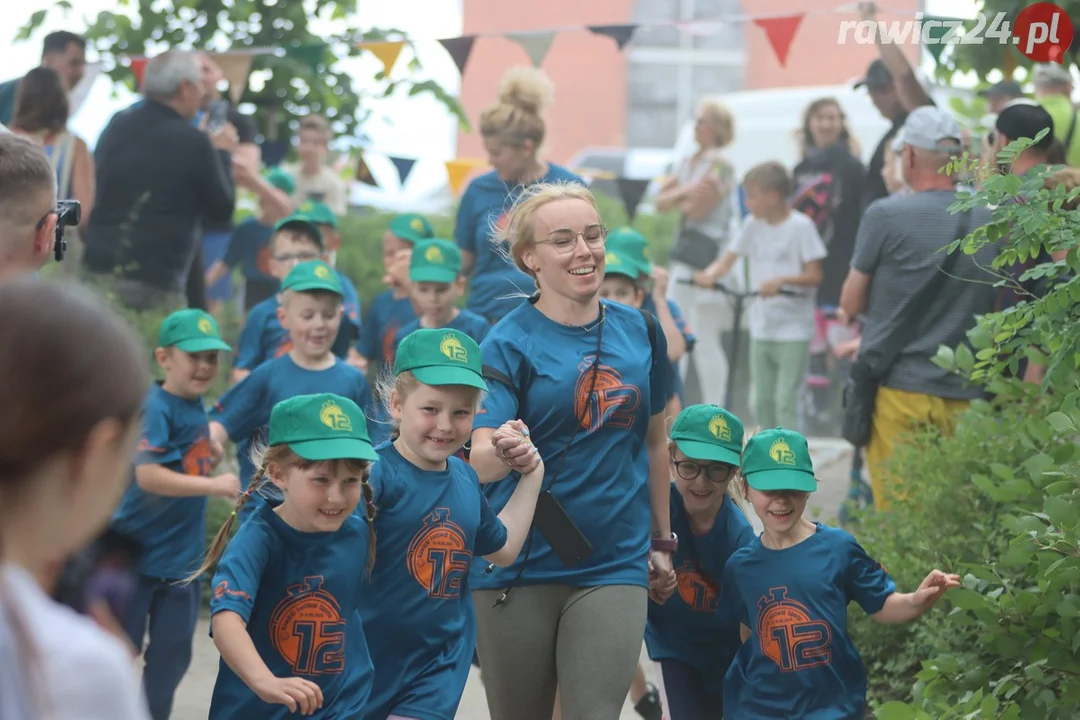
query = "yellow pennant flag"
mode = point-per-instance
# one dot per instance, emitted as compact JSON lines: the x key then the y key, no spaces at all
{"x":458,"y":170}
{"x":387,"y":52}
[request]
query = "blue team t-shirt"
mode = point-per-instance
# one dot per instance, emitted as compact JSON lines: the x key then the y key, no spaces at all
{"x":484,"y":206}
{"x":688,"y":627}
{"x":298,"y":593}
{"x":675,"y":382}
{"x":419,"y":621}
{"x":249,"y":248}
{"x":800,"y":661}
{"x":468,"y":322}
{"x":384,"y":318}
{"x":603,"y":483}
{"x":244,"y":410}
{"x":170,"y":530}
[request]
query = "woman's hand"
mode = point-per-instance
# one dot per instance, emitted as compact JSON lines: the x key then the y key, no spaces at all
{"x":514,"y":447}
{"x":662,"y":580}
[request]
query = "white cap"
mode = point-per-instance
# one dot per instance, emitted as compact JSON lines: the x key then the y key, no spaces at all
{"x":929,"y":128}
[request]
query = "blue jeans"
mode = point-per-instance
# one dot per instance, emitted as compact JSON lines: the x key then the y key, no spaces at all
{"x":170,"y":612}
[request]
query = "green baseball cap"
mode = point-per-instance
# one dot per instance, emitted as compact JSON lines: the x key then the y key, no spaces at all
{"x":441,"y":356}
{"x":616,"y":263}
{"x":322,"y":427}
{"x":311,"y":276}
{"x":708,"y":432}
{"x":298,"y":219}
{"x":191,"y":331}
{"x":437,"y":261}
{"x":629,"y":242}
{"x":778,"y":459}
{"x":319,"y":213}
{"x":282,"y":180}
{"x":412,"y":228}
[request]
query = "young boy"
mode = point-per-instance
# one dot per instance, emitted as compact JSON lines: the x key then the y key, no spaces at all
{"x":392,"y":308}
{"x":310,"y":311}
{"x":784,"y":249}
{"x":250,"y":246}
{"x":164,"y":510}
{"x":315,"y":179}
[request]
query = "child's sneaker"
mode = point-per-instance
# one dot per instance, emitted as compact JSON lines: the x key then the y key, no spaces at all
{"x":649,"y":706}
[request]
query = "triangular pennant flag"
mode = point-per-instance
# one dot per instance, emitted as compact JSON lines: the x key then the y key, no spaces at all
{"x":535,"y":44}
{"x":631,"y":191}
{"x":701,"y":28}
{"x":363,"y":172}
{"x":934,"y":32}
{"x":404,"y":166}
{"x":780,"y":31}
{"x":459,"y":48}
{"x":138,"y":67}
{"x":78,"y":95}
{"x":457,"y":171}
{"x":235,"y":67}
{"x":621,"y":34}
{"x":311,"y":54}
{"x":387,"y":52}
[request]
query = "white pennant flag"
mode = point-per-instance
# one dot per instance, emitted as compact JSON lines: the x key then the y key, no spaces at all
{"x":535,"y":44}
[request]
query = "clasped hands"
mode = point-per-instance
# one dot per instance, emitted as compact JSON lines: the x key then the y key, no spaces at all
{"x":515,"y":448}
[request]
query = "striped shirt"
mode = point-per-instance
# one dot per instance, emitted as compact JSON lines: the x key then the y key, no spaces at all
{"x":897,"y":245}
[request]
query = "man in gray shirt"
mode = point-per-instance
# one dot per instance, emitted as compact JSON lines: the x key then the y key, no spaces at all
{"x":897,"y":254}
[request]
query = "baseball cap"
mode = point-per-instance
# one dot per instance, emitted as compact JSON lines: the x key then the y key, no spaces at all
{"x":319,"y":213}
{"x":929,"y":128}
{"x":877,"y":76}
{"x":1026,"y":121}
{"x":311,"y":276}
{"x":617,"y":263}
{"x":321,"y":427}
{"x":628,"y":242}
{"x":412,"y":228}
{"x":1051,"y":74}
{"x":437,"y":261}
{"x":1003,"y":89}
{"x":441,"y":356}
{"x":708,"y":432}
{"x":282,"y":180}
{"x":191,"y":331}
{"x":778,"y":459}
{"x":300,"y":220}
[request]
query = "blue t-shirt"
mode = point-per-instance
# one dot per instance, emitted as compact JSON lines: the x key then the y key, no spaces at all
{"x":244,"y":410}
{"x":800,"y":661}
{"x":385,"y":317}
{"x":468,"y":322}
{"x":675,"y":382}
{"x":249,"y":247}
{"x":688,"y":627}
{"x":484,"y":206}
{"x":298,"y":593}
{"x":170,"y":530}
{"x":603,"y":483}
{"x":419,"y":621}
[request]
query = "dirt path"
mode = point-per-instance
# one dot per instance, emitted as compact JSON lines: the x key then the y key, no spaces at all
{"x":832,"y":460}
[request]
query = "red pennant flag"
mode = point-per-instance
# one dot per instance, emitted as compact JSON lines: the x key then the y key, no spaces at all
{"x":138,"y":67}
{"x":780,"y":31}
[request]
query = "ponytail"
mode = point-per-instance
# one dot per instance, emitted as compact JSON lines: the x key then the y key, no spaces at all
{"x":370,"y":511}
{"x":221,"y":539}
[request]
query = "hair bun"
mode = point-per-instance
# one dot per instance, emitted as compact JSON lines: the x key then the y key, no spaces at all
{"x":527,"y":89}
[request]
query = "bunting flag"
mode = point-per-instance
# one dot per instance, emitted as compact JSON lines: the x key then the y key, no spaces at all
{"x":236,"y":67}
{"x":935,"y":32}
{"x":457,"y":171}
{"x":780,"y":31}
{"x":386,"y":51}
{"x":138,"y":68}
{"x":403,"y":166}
{"x":631,"y":191}
{"x":621,"y":34}
{"x":78,"y":95}
{"x":363,"y":172}
{"x":459,"y":49}
{"x":535,"y":44}
{"x":311,"y":54}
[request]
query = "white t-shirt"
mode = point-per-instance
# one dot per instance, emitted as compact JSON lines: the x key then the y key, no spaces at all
{"x":326,"y":187}
{"x":773,"y":251}
{"x":87,"y":674}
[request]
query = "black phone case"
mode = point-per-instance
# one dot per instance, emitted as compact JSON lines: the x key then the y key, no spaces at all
{"x":560,"y":532}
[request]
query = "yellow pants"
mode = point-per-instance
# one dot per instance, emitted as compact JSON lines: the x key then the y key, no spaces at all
{"x":897,"y":412}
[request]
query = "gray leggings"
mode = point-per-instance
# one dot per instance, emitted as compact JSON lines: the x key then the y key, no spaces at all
{"x":584,"y":642}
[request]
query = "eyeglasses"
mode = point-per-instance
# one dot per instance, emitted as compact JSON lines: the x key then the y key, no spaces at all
{"x":300,"y":256}
{"x":718,"y":473}
{"x":564,"y":241}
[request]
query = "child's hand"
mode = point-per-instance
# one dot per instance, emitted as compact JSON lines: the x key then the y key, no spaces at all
{"x":770,"y":287}
{"x":662,"y":578}
{"x":397,"y":272}
{"x":514,"y":447}
{"x":705,"y":279}
{"x":217,"y":451}
{"x":295,"y":693}
{"x":933,"y":587}
{"x":660,"y":282}
{"x":357,"y":360}
{"x":225,"y":486}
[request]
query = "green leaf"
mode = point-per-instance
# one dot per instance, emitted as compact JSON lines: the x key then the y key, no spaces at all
{"x":895,"y":710}
{"x":1060,"y":422}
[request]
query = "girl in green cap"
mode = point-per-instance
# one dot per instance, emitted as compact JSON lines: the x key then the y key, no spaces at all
{"x":287,"y":589}
{"x":433,"y":520}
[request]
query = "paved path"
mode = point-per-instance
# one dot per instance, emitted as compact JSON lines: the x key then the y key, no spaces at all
{"x":832,"y":461}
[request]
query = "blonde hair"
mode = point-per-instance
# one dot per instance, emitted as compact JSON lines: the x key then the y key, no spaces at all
{"x":516,"y":235}
{"x":516,"y":117}
{"x":388,"y":386}
{"x":720,"y":119}
{"x":769,"y":175}
{"x":734,"y":488}
{"x":284,"y":457}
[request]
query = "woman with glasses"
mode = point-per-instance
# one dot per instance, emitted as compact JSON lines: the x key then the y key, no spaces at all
{"x":588,"y":378}
{"x":691,"y":642}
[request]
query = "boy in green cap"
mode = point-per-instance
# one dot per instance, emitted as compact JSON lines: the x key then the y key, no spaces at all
{"x":793,"y":585}
{"x":435,"y":285}
{"x":249,"y":246}
{"x":392,"y":308}
{"x":164,"y":509}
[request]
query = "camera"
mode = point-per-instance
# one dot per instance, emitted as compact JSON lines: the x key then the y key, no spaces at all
{"x":68,"y":214}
